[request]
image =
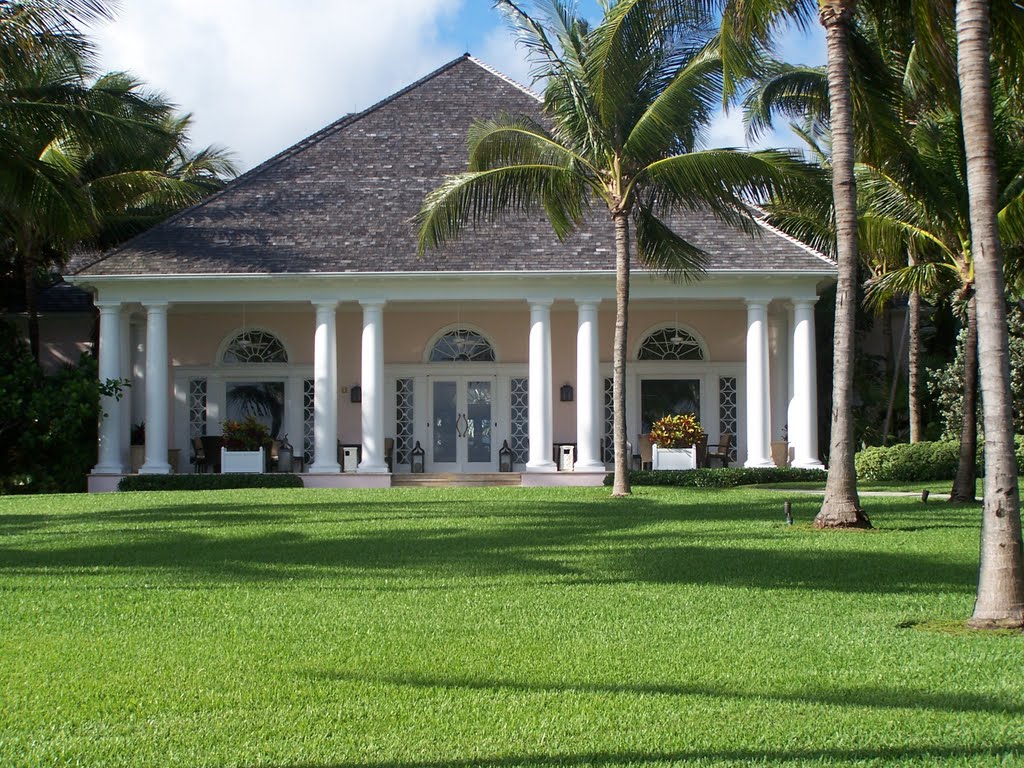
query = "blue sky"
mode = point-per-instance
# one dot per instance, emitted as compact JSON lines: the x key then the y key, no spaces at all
{"x":258,"y":79}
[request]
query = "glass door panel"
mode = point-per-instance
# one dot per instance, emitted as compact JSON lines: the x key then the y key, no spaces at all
{"x":478,"y":414}
{"x":445,"y":417}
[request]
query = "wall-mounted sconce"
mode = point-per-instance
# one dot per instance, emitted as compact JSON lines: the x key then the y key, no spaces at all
{"x":355,"y":394}
{"x":566,"y":393}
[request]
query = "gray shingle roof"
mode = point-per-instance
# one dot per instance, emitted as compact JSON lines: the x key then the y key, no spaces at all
{"x":342,"y":201}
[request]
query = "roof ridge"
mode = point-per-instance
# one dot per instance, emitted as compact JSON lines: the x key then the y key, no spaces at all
{"x":525,"y":89}
{"x":294,"y":149}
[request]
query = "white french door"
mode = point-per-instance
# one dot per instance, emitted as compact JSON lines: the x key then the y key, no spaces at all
{"x":462,"y":424}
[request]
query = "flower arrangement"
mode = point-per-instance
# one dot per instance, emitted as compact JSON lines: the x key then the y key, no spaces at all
{"x":676,"y":431}
{"x":246,"y":435}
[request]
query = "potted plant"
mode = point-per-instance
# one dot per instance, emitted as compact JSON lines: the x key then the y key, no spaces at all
{"x":673,"y":438}
{"x":244,"y":445}
{"x":780,"y":449}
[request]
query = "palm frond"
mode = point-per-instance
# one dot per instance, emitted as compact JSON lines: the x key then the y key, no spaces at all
{"x":724,"y":180}
{"x":929,"y":279}
{"x":797,"y":92}
{"x":673,"y":122}
{"x":661,"y":249}
{"x":487,"y":196}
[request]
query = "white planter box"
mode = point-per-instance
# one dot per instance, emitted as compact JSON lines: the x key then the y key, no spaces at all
{"x":673,"y":458}
{"x":249,"y":462}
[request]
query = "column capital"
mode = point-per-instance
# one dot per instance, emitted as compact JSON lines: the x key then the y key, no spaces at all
{"x":540,"y":302}
{"x":372,"y":303}
{"x":108,"y":305}
{"x":156,"y":306}
{"x":584,"y":303}
{"x":321,"y":304}
{"x":803,"y":303}
{"x":757,"y":303}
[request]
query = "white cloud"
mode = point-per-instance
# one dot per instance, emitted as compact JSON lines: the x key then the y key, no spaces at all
{"x":260,"y":75}
{"x":501,"y":52}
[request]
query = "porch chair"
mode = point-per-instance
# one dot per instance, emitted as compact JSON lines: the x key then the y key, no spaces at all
{"x":211,"y":449}
{"x":389,"y":453}
{"x":701,"y":456}
{"x":720,"y":451}
{"x":198,"y":455}
{"x":646,"y":448}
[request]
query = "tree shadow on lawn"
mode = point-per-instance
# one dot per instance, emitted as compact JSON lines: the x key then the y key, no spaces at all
{"x":876,"y":697}
{"x":922,"y":755}
{"x":556,"y":543}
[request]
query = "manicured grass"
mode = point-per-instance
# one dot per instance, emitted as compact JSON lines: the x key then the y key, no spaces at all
{"x":494,"y":627}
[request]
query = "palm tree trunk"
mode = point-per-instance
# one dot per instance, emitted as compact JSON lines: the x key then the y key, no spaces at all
{"x":841,"y":507}
{"x":620,"y":486}
{"x":964,"y":485}
{"x":914,"y":365}
{"x":1000,"y":599}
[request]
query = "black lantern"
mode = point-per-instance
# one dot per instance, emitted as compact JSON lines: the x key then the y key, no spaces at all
{"x":355,"y":394}
{"x":565,"y":393}
{"x":417,"y":459}
{"x":505,"y":457}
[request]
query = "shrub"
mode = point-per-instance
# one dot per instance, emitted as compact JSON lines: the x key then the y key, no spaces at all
{"x":207,"y":482}
{"x":722,"y":478}
{"x":909,"y":461}
{"x":47,"y":420}
{"x":246,"y":435}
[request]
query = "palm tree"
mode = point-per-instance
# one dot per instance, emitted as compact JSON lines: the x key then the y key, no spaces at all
{"x":923,"y":211}
{"x":1000,"y":598}
{"x":84,"y":161}
{"x":751,"y":24}
{"x":627,"y":102}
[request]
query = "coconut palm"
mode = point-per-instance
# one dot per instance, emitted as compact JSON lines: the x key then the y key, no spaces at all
{"x":1000,"y":598}
{"x":627,"y":102}
{"x":923,"y":212}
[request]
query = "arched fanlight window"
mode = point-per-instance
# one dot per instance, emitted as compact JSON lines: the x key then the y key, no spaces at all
{"x":671,"y":343}
{"x":462,"y":345}
{"x":255,"y":346}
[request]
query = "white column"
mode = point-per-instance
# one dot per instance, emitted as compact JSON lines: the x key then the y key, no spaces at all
{"x":110,"y":460}
{"x":588,"y":389}
{"x":758,"y":411}
{"x":372,"y":383}
{"x":126,"y":393}
{"x":779,"y":367}
{"x":156,"y":390}
{"x":325,"y":390}
{"x":541,"y":429}
{"x":803,"y":426}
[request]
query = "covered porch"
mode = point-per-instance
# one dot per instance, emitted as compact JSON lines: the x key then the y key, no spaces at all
{"x":460,"y":365}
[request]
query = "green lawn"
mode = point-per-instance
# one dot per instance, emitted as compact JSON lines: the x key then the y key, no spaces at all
{"x":494,"y":627}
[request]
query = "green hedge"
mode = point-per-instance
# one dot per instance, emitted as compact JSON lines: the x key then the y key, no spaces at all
{"x":909,"y":461}
{"x":919,"y":461}
{"x":722,"y":478}
{"x":207,"y":482}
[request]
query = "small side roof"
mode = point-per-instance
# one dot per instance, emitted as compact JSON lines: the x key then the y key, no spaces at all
{"x":342,"y":200}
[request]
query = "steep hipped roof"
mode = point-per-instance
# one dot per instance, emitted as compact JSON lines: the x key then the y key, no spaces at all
{"x":342,"y":200}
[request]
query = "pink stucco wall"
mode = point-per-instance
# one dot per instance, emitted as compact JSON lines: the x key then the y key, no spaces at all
{"x":196,"y":337}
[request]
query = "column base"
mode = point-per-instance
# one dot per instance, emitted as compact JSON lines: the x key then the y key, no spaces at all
{"x":807,"y":464}
{"x":759,"y":463}
{"x":155,"y":468}
{"x":541,"y":466}
{"x":108,"y":469}
{"x":324,"y":469}
{"x":373,"y":469}
{"x":588,"y":466}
